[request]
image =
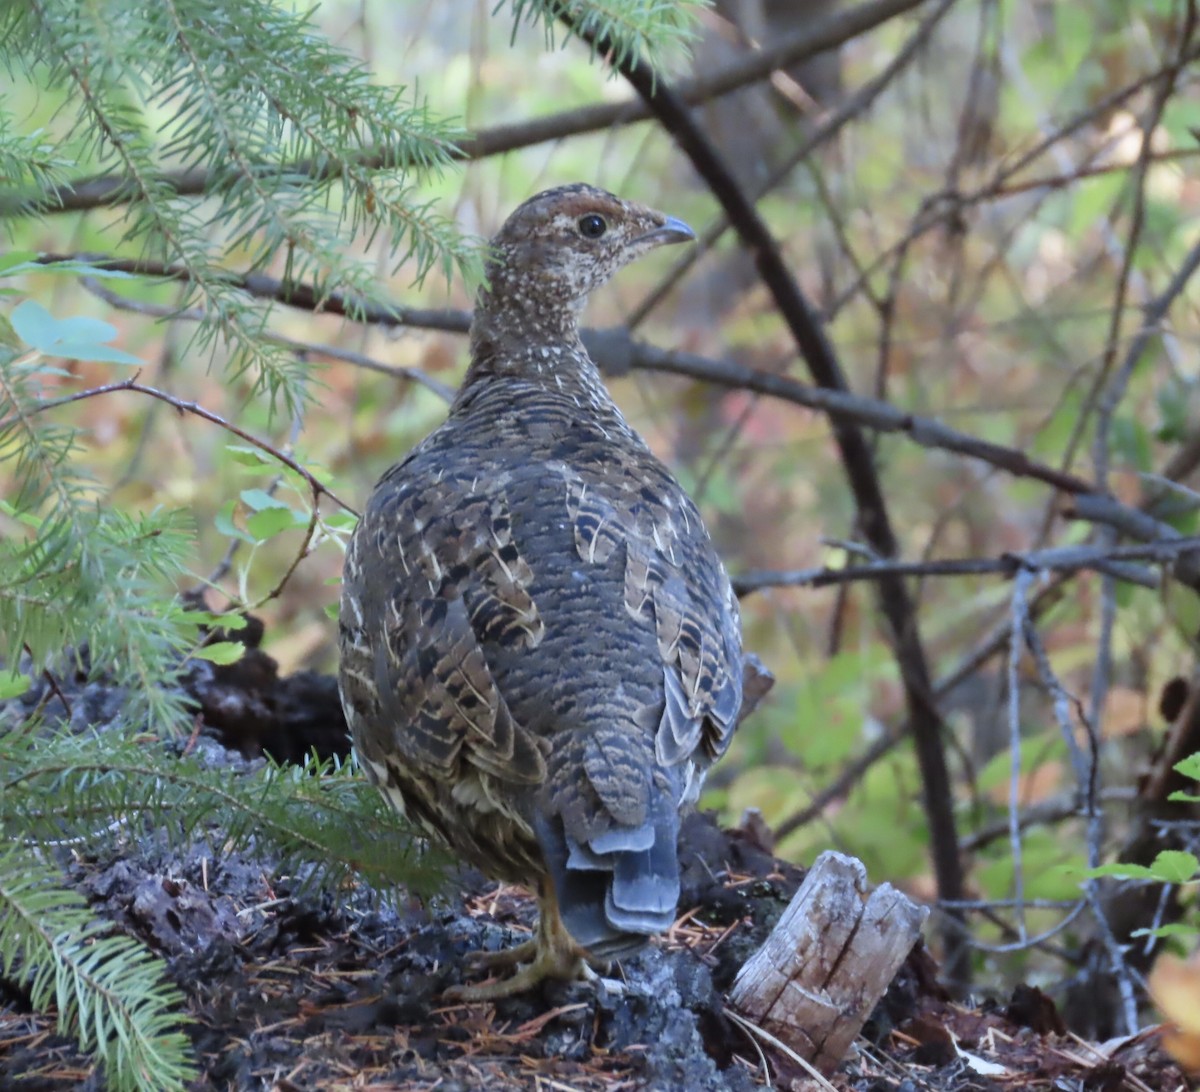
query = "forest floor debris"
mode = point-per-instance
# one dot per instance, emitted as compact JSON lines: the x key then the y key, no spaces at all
{"x":292,"y":989}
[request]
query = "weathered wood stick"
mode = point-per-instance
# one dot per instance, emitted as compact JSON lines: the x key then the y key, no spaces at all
{"x":827,"y":962}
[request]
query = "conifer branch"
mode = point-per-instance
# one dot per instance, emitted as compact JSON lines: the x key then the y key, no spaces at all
{"x":111,"y":994}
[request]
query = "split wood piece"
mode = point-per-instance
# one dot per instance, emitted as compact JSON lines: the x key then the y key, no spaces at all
{"x":827,"y":962}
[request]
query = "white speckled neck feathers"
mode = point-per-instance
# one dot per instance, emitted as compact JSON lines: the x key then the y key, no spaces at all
{"x":542,"y":269}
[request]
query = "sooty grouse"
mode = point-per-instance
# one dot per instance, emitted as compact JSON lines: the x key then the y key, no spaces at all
{"x":540,"y":650}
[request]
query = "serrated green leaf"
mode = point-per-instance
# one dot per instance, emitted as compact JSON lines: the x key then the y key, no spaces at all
{"x":1175,"y":866}
{"x":221,"y":652}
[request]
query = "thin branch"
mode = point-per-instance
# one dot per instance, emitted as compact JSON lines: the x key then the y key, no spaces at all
{"x":52,"y":687}
{"x":617,"y":353}
{"x":854,"y":106}
{"x":308,"y":348}
{"x":1106,"y":395}
{"x":291,"y":293}
{"x":1067,"y":559}
{"x":226,"y":562}
{"x":183,"y":406}
{"x":996,"y":642}
{"x":1057,"y":809}
{"x":1087,"y":773}
{"x":829,"y":33}
{"x":942,"y":208}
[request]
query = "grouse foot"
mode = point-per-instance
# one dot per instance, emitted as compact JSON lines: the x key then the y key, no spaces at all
{"x":552,"y":954}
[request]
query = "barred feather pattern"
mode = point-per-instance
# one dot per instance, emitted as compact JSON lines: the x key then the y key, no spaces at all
{"x":541,"y":651}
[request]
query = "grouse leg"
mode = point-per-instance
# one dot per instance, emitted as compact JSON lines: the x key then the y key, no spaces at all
{"x":553,"y":953}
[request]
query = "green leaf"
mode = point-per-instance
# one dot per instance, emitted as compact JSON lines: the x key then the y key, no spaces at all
{"x":260,"y":499}
{"x":1179,"y":929}
{"x":271,"y":521}
{"x":230,"y":621}
{"x":223,"y":522}
{"x":35,"y":324}
{"x":221,"y":652}
{"x":341,"y":521}
{"x":14,"y":685}
{"x":1175,"y":866}
{"x":1190,"y":766}
{"x":248,"y":456}
{"x":1170,"y":866}
{"x":1120,"y":871}
{"x":79,"y":338}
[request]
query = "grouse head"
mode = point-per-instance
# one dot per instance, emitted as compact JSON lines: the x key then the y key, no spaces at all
{"x":559,"y":246}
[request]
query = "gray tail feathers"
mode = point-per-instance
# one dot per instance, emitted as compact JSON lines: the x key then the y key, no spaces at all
{"x":619,"y":888}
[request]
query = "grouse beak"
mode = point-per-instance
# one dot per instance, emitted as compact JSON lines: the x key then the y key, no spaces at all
{"x":671,"y":231}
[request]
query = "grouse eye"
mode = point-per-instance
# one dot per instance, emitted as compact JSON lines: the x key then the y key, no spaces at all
{"x":592,"y":226}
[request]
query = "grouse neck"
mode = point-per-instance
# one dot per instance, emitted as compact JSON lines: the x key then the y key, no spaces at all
{"x":549,"y":355}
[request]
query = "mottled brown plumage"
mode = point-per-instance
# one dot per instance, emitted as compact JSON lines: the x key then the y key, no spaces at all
{"x":541,"y":652}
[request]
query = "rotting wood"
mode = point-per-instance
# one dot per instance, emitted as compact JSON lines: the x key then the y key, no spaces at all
{"x":816,"y":978}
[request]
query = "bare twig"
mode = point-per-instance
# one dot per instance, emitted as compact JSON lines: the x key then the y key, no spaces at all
{"x":1015,"y":647}
{"x":1067,"y":559}
{"x":996,"y":642}
{"x":183,"y":406}
{"x":53,"y":689}
{"x":1044,"y":813}
{"x":942,"y":208}
{"x":854,"y":106}
{"x":308,"y":348}
{"x":616,"y":352}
